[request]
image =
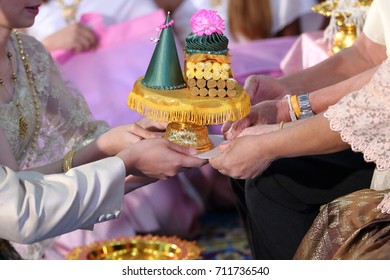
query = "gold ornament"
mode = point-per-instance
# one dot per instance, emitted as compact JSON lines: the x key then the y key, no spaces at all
{"x":68,"y":161}
{"x":23,"y":125}
{"x":69,"y":11}
{"x":346,"y":20}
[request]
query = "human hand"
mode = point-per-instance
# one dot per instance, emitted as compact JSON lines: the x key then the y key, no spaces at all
{"x":75,"y":37}
{"x":242,"y":158}
{"x":158,"y":158}
{"x":118,"y":138}
{"x":152,"y":125}
{"x":266,"y":112}
{"x":259,"y":129}
{"x":134,"y":182}
{"x":261,"y":88}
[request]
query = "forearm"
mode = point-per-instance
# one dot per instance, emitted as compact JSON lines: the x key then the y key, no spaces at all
{"x":86,"y":154}
{"x":40,"y":207}
{"x":303,"y":138}
{"x":321,"y":99}
{"x":363,"y":55}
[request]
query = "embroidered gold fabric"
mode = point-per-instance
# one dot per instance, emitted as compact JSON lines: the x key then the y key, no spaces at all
{"x":350,"y":227}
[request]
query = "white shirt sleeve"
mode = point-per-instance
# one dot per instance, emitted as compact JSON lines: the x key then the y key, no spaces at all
{"x":34,"y":206}
{"x":285,"y":12}
{"x":373,"y":27}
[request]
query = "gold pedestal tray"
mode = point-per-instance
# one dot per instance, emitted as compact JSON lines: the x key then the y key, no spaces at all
{"x":189,"y":134}
{"x":139,"y":247}
{"x":187,"y":116}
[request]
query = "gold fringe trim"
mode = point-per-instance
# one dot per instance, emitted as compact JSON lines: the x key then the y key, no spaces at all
{"x":179,"y":106}
{"x":199,"y":116}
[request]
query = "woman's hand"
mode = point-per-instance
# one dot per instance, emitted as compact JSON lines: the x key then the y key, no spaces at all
{"x":242,"y":158}
{"x":134,"y":182}
{"x":158,"y":158}
{"x":75,"y":37}
{"x":118,"y":138}
{"x":261,"y":88}
{"x":266,"y":112}
{"x":152,"y":125}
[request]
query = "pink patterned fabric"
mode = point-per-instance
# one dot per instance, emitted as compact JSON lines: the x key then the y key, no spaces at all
{"x":308,"y":50}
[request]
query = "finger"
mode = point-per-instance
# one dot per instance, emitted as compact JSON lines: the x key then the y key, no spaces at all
{"x":81,"y":44}
{"x":91,"y":37}
{"x":215,"y":163}
{"x":182,"y":149}
{"x":152,"y":125}
{"x":237,"y":128}
{"x":226,"y":126}
{"x":224,"y":145}
{"x":251,"y":85}
{"x":188,"y":160}
{"x":141,"y":132}
{"x":85,"y":39}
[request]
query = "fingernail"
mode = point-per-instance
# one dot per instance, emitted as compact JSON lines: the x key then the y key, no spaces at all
{"x":192,"y":151}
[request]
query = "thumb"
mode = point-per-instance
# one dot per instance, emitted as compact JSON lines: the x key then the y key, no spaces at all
{"x":183,"y":149}
{"x":237,"y":128}
{"x":224,"y":145}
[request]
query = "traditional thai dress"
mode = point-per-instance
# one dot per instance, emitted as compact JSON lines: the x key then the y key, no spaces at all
{"x":357,"y":226}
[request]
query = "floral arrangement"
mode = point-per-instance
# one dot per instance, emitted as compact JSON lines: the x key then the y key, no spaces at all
{"x":207,"y":22}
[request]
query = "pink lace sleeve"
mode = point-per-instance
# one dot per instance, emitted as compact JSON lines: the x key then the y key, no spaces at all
{"x":363,"y":118}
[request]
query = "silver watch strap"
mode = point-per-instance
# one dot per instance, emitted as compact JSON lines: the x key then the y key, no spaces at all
{"x":304,"y":106}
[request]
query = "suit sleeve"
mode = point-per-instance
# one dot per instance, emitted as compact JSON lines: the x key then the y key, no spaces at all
{"x":34,"y":206}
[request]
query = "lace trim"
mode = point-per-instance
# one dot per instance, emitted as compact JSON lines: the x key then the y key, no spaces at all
{"x":363,"y":119}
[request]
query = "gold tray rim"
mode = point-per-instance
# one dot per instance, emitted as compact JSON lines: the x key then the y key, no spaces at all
{"x":189,"y":250}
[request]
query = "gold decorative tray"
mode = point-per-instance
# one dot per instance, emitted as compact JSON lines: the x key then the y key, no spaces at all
{"x":146,"y":247}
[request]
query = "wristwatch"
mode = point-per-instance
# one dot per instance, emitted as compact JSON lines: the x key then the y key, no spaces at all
{"x":304,"y":106}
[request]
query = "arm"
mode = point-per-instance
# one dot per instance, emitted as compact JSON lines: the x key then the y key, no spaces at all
{"x":35,"y":206}
{"x":247,"y":157}
{"x":321,"y":99}
{"x":107,"y":144}
{"x":363,"y":55}
{"x":75,"y":37}
{"x":275,"y":111}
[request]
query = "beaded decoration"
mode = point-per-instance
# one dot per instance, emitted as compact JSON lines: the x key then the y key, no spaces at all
{"x":161,"y":28}
{"x":36,"y":103}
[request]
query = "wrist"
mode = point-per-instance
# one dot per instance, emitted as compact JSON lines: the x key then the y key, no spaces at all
{"x":292,"y":115}
{"x":298,"y":106}
{"x":304,"y":106}
{"x":283,"y":111}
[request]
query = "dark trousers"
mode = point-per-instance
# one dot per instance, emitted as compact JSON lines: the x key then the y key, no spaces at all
{"x":279,"y":206}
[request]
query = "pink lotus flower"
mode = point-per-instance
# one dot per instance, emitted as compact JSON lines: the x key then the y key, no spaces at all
{"x":207,"y":22}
